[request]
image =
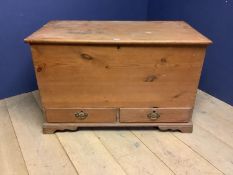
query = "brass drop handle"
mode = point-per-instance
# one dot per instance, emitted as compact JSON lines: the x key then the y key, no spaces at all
{"x":153,"y":115}
{"x":81,"y":115}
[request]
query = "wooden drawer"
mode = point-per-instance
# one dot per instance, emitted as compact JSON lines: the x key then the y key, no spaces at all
{"x":82,"y":115}
{"x":145,"y":115}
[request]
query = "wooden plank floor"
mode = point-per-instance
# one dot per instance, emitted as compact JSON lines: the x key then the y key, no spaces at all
{"x":25,"y":150}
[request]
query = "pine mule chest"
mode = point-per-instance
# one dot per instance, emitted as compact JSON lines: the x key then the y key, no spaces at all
{"x":117,"y":73}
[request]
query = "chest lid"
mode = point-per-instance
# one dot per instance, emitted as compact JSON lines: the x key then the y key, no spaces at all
{"x":117,"y":32}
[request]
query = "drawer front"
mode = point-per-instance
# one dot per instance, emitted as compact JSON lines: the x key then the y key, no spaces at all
{"x":82,"y":115}
{"x":145,"y":115}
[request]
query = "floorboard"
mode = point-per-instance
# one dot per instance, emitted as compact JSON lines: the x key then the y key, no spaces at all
{"x":209,"y":147}
{"x":208,"y":150}
{"x":215,"y":122}
{"x":11,"y":159}
{"x":87,"y":149}
{"x":88,"y":154}
{"x":132,"y":155}
{"x":43,"y":154}
{"x":214,"y":106}
{"x":175,"y":154}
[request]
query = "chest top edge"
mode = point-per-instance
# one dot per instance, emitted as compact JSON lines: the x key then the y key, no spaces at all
{"x":118,"y":32}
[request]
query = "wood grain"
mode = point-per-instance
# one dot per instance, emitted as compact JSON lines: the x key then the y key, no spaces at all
{"x":180,"y":158}
{"x":123,"y":32}
{"x":88,"y":155}
{"x":102,"y":67}
{"x":206,"y":117}
{"x":141,"y":77}
{"x":202,"y":152}
{"x":218,"y":154}
{"x":131,"y":154}
{"x":134,"y":115}
{"x":94,"y":115}
{"x":11,"y":159}
{"x":43,"y":154}
{"x":214,"y":106}
{"x":49,"y":128}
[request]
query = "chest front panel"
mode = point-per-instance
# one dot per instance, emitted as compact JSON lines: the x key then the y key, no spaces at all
{"x":117,"y":76}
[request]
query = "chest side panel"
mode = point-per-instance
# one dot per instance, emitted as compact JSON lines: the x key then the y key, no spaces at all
{"x":79,"y":76}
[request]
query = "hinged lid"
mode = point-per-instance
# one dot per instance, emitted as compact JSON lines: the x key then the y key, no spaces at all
{"x":118,"y":32}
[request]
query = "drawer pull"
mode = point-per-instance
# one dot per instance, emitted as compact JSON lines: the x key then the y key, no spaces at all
{"x":81,"y":115}
{"x":153,"y":115}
